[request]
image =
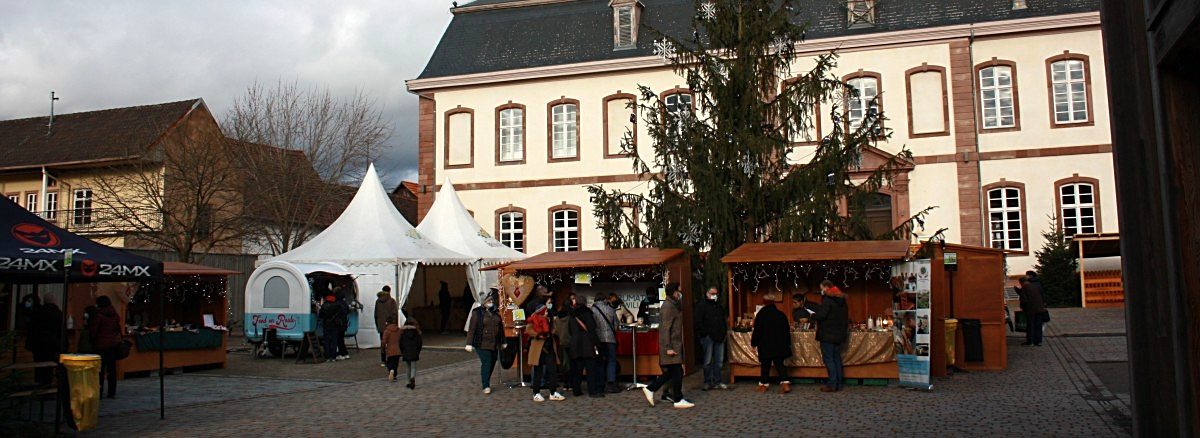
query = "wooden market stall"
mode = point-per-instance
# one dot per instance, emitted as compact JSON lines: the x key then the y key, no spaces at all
{"x":861,"y":269}
{"x":196,"y":309}
{"x":626,"y":272}
{"x":971,"y":289}
{"x":1099,"y":287}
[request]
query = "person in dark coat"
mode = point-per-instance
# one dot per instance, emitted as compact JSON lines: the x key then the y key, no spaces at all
{"x":711,"y":328}
{"x":584,"y":350}
{"x":386,"y":309}
{"x":772,"y":337}
{"x":332,"y":315}
{"x":445,"y":303}
{"x":410,"y":349}
{"x":833,"y":317}
{"x":389,"y":345}
{"x":106,"y":338}
{"x":1033,"y":305}
{"x":670,"y":350}
{"x":43,"y":338}
{"x":543,"y":355}
{"x":485,"y":336}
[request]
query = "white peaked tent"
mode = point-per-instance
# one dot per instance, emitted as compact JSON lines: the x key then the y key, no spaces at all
{"x":376,"y":243}
{"x":451,"y":225}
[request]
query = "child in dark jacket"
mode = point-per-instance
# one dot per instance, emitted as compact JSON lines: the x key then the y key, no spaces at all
{"x":410,"y":348}
{"x":391,"y":346}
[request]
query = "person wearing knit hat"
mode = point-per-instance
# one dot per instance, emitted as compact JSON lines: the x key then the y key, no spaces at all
{"x":772,"y":338}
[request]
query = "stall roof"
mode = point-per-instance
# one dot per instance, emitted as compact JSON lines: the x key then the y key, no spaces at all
{"x":1097,"y":245}
{"x":866,"y":250}
{"x":596,"y":259}
{"x":180,"y":268}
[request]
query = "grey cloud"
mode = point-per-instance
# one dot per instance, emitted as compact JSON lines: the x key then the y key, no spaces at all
{"x":111,"y":54}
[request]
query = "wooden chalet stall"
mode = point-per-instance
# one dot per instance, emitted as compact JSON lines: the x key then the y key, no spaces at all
{"x":1103,"y":287}
{"x":861,"y":269}
{"x":626,"y":272}
{"x":970,"y":290}
{"x":193,"y":294}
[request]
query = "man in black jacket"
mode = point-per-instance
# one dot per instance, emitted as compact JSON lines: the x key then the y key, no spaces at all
{"x":772,"y":340}
{"x":834,"y":318}
{"x":711,"y":327}
{"x":584,"y":350}
{"x":1033,"y":304}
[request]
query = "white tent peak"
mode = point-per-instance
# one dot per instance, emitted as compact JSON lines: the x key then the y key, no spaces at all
{"x":451,"y":225}
{"x":371,"y":230}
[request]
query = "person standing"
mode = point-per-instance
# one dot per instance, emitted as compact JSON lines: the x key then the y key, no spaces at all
{"x":542,"y":353}
{"x":484,"y":337}
{"x":106,"y":337}
{"x":386,"y":309}
{"x":445,"y":303}
{"x":773,"y":338}
{"x":606,"y":331}
{"x":585,"y":344}
{"x":389,"y":345}
{"x":670,"y":350}
{"x":1033,"y":304}
{"x":711,"y":327}
{"x":43,"y":337}
{"x":410,"y":349}
{"x":344,"y":320}
{"x":833,"y":317}
{"x":331,"y":315}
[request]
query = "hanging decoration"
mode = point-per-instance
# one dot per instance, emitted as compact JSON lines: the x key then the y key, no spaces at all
{"x":754,"y":275}
{"x":708,"y":11}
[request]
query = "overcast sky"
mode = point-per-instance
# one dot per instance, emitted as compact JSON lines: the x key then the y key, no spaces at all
{"x":98,"y":55}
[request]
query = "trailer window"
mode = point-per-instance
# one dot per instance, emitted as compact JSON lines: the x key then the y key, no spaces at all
{"x":275,"y":294}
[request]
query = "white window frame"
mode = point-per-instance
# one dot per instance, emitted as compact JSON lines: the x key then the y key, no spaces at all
{"x":862,"y":102}
{"x":50,"y":210}
{"x":678,"y":103}
{"x":565,"y":230}
{"x":512,"y":230}
{"x":1075,"y":208}
{"x":81,"y":200}
{"x":1010,"y":211}
{"x":1069,"y":88}
{"x":565,"y":130}
{"x":624,"y":37}
{"x":992,"y":92}
{"x":512,"y":134}
{"x":31,"y":202}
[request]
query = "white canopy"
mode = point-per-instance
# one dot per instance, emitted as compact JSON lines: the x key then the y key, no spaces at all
{"x":373,"y":240}
{"x":450,"y":224}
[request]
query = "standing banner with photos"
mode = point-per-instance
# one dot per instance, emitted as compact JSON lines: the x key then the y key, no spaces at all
{"x":911,"y":330}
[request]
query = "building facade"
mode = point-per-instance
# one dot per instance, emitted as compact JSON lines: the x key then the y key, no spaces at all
{"x":1002,"y":103}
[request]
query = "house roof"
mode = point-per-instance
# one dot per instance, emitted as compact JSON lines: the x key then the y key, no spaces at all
{"x":92,"y":136}
{"x":596,"y":259}
{"x":180,"y":268}
{"x":848,"y":251}
{"x":538,"y":34}
{"x":412,"y":187}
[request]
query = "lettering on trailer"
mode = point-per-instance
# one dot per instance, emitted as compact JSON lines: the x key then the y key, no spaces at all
{"x":28,"y":264}
{"x":281,"y":321}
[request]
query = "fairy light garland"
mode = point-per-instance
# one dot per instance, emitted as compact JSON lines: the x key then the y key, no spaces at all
{"x":754,"y":275}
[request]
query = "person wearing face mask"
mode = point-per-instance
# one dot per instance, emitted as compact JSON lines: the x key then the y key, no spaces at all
{"x":711,"y":327}
{"x":670,"y":347}
{"x":606,"y":329}
{"x":484,"y":337}
{"x":834,"y":319}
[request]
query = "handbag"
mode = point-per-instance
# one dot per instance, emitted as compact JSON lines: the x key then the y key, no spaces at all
{"x":1045,"y":316}
{"x":123,"y":349}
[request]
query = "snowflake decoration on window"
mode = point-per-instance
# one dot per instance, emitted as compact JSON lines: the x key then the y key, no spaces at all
{"x":664,"y":49}
{"x":708,"y":11}
{"x":779,"y":44}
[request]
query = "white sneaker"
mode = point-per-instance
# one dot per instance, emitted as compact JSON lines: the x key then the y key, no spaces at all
{"x":722,"y":386}
{"x":538,"y":398}
{"x":684,"y":404}
{"x":649,"y":396}
{"x":487,"y":390}
{"x":557,"y":397}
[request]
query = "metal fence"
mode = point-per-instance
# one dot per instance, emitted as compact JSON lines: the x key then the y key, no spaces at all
{"x":236,"y":285}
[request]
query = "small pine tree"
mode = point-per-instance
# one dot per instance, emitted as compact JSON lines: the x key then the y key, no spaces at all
{"x":1056,"y":265}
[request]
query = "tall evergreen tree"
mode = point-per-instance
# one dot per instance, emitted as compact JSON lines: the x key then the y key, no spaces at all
{"x":1056,"y":265}
{"x":727,"y":172}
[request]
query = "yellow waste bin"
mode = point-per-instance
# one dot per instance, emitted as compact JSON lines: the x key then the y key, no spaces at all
{"x":83,"y":377}
{"x":951,"y":329}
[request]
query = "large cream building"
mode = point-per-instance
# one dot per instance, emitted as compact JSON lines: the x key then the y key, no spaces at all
{"x":1003,"y":104}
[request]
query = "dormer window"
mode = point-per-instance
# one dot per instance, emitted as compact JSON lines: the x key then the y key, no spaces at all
{"x":625,"y":23}
{"x":860,"y":13}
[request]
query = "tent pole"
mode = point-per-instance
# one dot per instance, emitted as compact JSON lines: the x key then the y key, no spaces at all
{"x":62,"y":340}
{"x":162,"y":326}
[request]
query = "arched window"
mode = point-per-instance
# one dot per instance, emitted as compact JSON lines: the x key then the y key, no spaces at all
{"x":510,"y":227}
{"x":564,"y":228}
{"x":276,"y":293}
{"x":1078,"y":205}
{"x":1070,"y":85}
{"x":865,"y":100}
{"x":1006,"y":216}
{"x":563,"y":130}
{"x":510,"y":134}
{"x":998,"y":101}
